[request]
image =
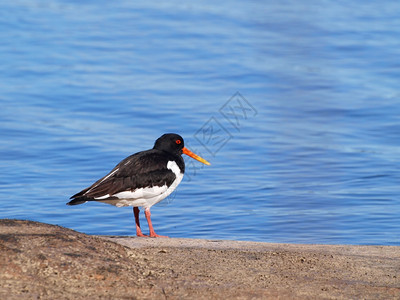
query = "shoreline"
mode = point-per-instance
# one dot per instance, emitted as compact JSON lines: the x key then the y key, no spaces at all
{"x":46,"y":261}
{"x":135,"y":242}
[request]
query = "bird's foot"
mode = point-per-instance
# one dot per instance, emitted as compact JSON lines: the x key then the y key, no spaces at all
{"x":153,"y":235}
{"x":141,"y":235}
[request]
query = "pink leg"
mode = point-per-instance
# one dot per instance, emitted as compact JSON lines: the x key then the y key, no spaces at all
{"x":148,"y":215}
{"x":136,"y":214}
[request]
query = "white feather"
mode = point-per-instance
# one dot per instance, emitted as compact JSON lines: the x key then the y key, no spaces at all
{"x":102,"y":197}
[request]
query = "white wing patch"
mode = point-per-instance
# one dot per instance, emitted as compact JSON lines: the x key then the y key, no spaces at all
{"x":102,"y":197}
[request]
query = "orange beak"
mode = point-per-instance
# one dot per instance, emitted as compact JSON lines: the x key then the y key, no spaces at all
{"x":195,"y":156}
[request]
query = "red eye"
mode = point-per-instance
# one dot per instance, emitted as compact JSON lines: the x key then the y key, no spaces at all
{"x":178,"y":142}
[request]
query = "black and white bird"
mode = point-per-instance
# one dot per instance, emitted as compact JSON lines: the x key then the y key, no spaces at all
{"x":142,"y":179}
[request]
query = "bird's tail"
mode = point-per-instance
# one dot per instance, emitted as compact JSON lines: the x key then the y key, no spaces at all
{"x":78,"y":201}
{"x":79,"y":198}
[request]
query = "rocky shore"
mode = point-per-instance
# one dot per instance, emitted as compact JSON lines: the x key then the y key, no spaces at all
{"x":42,"y":261}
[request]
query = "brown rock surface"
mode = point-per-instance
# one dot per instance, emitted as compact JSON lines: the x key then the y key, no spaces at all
{"x":41,"y":261}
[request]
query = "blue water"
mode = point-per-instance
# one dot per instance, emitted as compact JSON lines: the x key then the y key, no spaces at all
{"x":294,"y":103}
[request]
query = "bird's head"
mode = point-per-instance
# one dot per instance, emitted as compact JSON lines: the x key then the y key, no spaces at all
{"x":173,"y":143}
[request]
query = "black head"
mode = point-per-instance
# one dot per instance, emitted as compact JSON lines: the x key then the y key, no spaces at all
{"x":170,"y":142}
{"x":173,"y":143}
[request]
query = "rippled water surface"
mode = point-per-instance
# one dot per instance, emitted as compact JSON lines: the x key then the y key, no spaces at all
{"x":295,"y":104}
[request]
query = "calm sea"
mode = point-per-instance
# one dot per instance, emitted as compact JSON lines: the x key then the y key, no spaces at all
{"x":294,"y":103}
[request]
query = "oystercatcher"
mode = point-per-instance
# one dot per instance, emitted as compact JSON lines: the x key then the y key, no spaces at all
{"x":142,"y":179}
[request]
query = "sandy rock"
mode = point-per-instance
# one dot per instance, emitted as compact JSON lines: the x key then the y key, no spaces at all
{"x":41,"y":261}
